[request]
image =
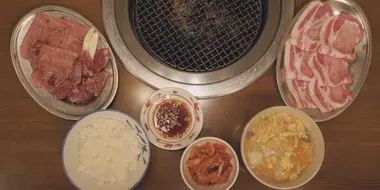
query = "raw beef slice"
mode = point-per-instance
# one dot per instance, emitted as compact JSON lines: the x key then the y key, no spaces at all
{"x":52,"y":31}
{"x":101,"y":59}
{"x":96,"y":84}
{"x":53,"y":67}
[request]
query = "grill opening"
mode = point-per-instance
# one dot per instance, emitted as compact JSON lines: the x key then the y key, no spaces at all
{"x":198,"y":36}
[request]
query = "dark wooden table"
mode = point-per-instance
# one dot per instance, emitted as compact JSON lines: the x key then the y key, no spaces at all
{"x":30,"y":137}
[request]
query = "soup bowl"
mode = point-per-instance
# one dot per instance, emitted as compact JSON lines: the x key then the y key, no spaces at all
{"x":319,"y":149}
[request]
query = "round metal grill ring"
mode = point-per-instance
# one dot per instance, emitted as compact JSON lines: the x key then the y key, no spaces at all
{"x":117,"y":24}
{"x":125,"y":22}
{"x":198,"y":36}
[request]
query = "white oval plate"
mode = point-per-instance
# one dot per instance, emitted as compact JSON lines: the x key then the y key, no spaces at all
{"x":24,"y":70}
{"x":70,"y":160}
{"x":358,"y":68}
{"x":147,"y":115}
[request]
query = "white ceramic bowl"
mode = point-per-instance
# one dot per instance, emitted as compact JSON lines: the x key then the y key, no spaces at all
{"x":188,"y":179}
{"x":319,"y":152}
{"x":70,"y":148}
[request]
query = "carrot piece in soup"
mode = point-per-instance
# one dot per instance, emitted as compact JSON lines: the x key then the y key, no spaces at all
{"x":302,"y":155}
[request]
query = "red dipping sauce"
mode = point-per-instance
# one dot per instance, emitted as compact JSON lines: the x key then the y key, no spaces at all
{"x":172,"y":118}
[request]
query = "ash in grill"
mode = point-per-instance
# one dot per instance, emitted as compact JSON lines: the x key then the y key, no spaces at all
{"x":198,"y":35}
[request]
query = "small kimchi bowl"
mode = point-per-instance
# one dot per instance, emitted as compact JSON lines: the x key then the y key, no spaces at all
{"x":314,"y":162}
{"x":191,"y":158}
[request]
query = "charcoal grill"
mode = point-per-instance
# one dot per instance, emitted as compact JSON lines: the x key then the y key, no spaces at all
{"x":198,"y":36}
{"x":209,"y":47}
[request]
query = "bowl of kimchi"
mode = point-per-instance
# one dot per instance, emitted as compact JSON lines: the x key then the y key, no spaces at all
{"x":209,"y":163}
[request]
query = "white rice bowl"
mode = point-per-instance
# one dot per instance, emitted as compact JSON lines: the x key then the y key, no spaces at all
{"x":105,"y":150}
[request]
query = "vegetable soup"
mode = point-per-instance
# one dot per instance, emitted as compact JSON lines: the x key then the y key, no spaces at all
{"x":278,"y":146}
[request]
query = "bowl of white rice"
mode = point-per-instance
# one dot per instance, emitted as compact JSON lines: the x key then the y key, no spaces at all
{"x":105,"y":150}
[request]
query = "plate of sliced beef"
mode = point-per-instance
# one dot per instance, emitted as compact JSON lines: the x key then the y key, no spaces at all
{"x":64,"y":62}
{"x":324,"y":58}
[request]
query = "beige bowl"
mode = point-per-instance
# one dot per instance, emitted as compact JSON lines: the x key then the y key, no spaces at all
{"x":319,"y":152}
{"x":188,"y":179}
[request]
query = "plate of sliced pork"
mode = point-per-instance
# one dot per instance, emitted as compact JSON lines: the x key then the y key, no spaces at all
{"x":324,"y":58}
{"x":63,"y":62}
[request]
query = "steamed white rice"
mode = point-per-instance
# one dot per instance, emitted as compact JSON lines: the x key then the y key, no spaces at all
{"x":108,"y":151}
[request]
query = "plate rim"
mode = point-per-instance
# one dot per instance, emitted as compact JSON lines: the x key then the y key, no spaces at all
{"x":97,"y":111}
{"x":16,"y":62}
{"x":368,"y":58}
{"x":196,"y":133}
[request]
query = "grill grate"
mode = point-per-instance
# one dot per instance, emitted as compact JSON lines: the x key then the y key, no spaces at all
{"x":198,"y":36}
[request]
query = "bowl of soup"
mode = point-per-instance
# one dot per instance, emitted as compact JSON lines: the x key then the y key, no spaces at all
{"x":282,"y":147}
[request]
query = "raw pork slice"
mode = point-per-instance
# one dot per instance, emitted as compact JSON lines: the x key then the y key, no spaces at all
{"x":328,"y":98}
{"x":317,"y":98}
{"x":337,"y":97}
{"x":52,"y":31}
{"x":316,"y":56}
{"x":306,"y":19}
{"x":318,"y":30}
{"x":341,"y":34}
{"x":330,"y":71}
{"x":321,"y":15}
{"x":301,"y":94}
{"x":306,"y":31}
{"x":296,"y":64}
